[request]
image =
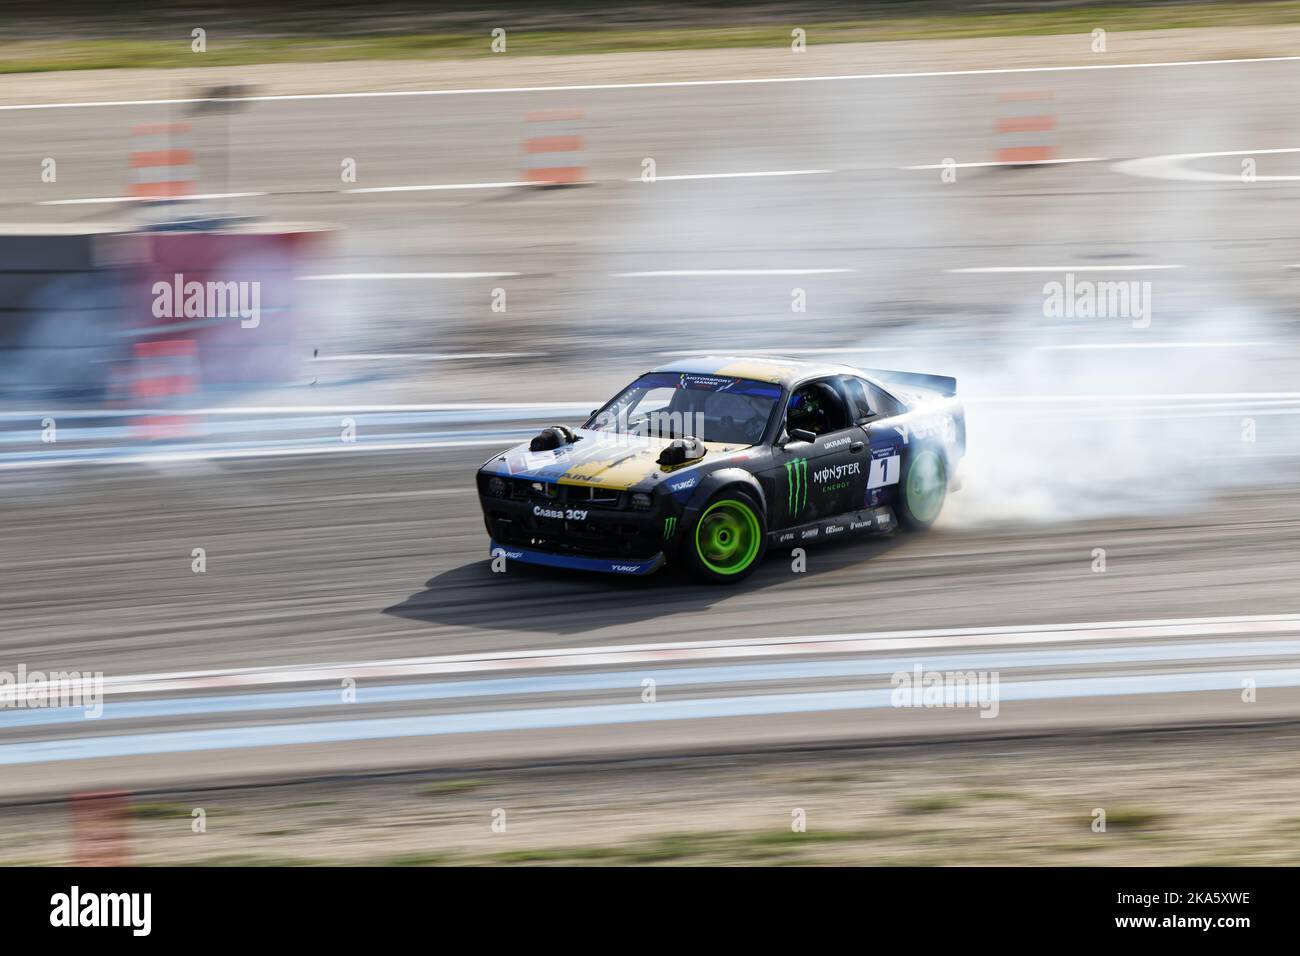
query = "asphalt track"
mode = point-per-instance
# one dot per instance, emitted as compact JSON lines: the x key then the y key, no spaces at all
{"x":1085,"y":434}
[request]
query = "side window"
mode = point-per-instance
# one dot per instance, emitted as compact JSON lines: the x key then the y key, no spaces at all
{"x":816,"y":407}
{"x":882,"y":403}
{"x":868,"y":401}
{"x":855,"y":391}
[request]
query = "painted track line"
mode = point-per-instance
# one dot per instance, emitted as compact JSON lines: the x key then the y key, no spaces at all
{"x":583,"y":407}
{"x":434,"y":187}
{"x":128,"y":199}
{"x":1003,"y":162}
{"x":664,"y":273}
{"x":722,"y":649}
{"x":366,"y":276}
{"x":1173,"y":166}
{"x":279,"y":451}
{"x":218,"y":410}
{"x":572,"y":683}
{"x":386,"y":728}
{"x":659,"y":84}
{"x":1083,"y":347}
{"x":980,"y":270}
{"x":758,"y":175}
{"x":839,"y":350}
{"x":422,"y":356}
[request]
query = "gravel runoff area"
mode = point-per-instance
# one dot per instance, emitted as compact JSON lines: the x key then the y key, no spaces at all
{"x":1179,"y":797}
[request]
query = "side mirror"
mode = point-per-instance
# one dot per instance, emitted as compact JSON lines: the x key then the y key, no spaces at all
{"x":802,"y":434}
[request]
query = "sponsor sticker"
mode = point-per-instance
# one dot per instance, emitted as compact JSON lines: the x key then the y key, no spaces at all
{"x":884,"y":471}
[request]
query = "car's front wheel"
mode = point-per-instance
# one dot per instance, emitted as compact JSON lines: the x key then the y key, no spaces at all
{"x":728,"y":540}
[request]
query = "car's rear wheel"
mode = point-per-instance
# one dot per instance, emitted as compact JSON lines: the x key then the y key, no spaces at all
{"x":728,"y":540}
{"x":923,"y":488}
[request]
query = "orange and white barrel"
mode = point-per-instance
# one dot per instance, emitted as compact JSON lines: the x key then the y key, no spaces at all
{"x":1025,"y":128}
{"x":163,"y":372}
{"x":163,"y":165}
{"x":555,"y":148}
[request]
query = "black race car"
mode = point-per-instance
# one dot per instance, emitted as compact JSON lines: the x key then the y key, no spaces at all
{"x":709,"y":462}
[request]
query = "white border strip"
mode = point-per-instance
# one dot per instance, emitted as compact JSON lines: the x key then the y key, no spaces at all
{"x":988,"y":270}
{"x":623,"y":654}
{"x":752,"y":81}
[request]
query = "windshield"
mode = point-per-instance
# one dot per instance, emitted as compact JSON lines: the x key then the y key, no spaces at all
{"x":715,"y":408}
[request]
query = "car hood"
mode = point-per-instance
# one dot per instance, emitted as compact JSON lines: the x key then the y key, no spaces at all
{"x":599,"y":459}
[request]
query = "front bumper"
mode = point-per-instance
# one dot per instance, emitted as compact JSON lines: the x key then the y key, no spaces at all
{"x":571,"y":528}
{"x":577,"y":562}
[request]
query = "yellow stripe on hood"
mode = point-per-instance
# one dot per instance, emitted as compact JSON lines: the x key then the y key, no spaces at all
{"x":759,"y":370}
{"x":628,"y":466}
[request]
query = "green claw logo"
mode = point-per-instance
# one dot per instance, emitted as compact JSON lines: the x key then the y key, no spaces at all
{"x":796,"y":479}
{"x":670,"y":525}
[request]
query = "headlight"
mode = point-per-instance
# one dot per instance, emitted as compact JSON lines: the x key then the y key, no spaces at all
{"x":497,"y":487}
{"x":642,"y":502}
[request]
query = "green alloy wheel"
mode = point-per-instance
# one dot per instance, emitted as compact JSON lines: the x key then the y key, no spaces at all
{"x":728,"y":539}
{"x":924,"y":488}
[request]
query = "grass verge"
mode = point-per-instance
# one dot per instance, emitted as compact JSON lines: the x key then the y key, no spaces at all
{"x":911,"y":22}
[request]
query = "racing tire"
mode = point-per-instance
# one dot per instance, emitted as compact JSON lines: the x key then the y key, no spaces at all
{"x":922,"y":489}
{"x":728,"y":540}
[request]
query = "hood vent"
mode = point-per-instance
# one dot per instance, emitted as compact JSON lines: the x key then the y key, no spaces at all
{"x":552,"y":438}
{"x":681,"y":450}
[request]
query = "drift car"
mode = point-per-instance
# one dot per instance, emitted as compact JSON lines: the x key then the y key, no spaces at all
{"x":711,"y":461}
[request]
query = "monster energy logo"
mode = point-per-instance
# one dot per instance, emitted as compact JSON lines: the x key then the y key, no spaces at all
{"x":670,"y":525}
{"x":796,"y":478}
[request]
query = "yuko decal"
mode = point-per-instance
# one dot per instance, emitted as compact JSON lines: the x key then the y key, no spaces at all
{"x":179,"y":299}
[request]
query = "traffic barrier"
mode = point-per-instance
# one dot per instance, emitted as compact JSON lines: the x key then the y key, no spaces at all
{"x":555,"y":148}
{"x":162,"y":161}
{"x":100,"y":828}
{"x":1025,"y":127}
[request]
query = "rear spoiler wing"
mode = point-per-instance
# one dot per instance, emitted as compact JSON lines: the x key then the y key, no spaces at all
{"x":943,"y":384}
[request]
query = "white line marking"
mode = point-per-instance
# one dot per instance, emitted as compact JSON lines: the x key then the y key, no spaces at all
{"x":1172,"y":166}
{"x":884,"y":641}
{"x":729,"y":272}
{"x":1093,"y":268}
{"x":831,"y":351}
{"x":660,"y":84}
{"x":440,"y":186}
{"x":582,"y":407}
{"x":169,"y":199}
{"x":1151,"y":345}
{"x":155,"y":458}
{"x":553,"y":718}
{"x":301,"y":409}
{"x":407,"y":275}
{"x":1138,"y":398}
{"x":1031,"y":162}
{"x":779,"y":172}
{"x":422,"y":356}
